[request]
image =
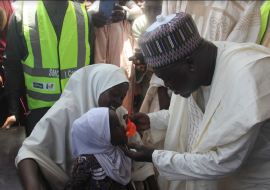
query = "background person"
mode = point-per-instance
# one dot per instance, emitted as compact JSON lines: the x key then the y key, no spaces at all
{"x":232,"y":21}
{"x":6,"y":10}
{"x":47,"y":58}
{"x":154,"y":96}
{"x":113,"y":43}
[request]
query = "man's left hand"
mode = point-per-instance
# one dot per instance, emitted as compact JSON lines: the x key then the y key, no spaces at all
{"x":143,"y":154}
{"x":141,"y":68}
{"x":98,"y":18}
{"x":118,"y":13}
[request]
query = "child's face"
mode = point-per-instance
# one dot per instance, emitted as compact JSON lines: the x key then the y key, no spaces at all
{"x":118,"y":131}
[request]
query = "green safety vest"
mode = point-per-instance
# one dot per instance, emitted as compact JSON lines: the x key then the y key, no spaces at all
{"x":50,"y":63}
{"x":264,"y":19}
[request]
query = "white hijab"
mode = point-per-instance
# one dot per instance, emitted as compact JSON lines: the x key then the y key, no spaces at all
{"x":49,"y":144}
{"x":90,"y":134}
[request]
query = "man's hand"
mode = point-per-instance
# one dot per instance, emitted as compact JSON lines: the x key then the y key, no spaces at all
{"x":98,"y":19}
{"x":88,"y":4}
{"x":141,"y":120}
{"x":9,"y":122}
{"x":143,"y":154}
{"x":118,"y":13}
{"x":141,"y":68}
{"x":137,"y":59}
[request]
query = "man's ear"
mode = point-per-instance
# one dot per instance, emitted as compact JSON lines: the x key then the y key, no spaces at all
{"x":192,"y":63}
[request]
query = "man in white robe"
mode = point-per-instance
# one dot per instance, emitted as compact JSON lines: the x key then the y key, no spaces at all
{"x":217,"y":128}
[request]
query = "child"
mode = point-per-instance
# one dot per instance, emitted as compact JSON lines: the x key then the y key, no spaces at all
{"x":100,"y":163}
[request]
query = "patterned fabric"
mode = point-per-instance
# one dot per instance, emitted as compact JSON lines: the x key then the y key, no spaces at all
{"x":232,"y":21}
{"x":195,"y":119}
{"x":85,"y":173}
{"x":170,"y":42}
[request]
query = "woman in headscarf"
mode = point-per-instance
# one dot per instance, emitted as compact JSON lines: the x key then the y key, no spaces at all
{"x":49,"y":146}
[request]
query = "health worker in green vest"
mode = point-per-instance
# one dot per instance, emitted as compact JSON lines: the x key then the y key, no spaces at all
{"x":48,"y":41}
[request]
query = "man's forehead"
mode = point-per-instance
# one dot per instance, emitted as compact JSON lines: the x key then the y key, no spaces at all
{"x":162,"y":72}
{"x":166,"y":71}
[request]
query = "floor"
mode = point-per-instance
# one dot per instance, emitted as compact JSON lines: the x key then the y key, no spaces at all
{"x":10,"y":143}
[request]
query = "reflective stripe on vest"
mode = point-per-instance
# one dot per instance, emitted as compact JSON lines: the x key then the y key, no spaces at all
{"x":50,"y":63}
{"x":264,"y":19}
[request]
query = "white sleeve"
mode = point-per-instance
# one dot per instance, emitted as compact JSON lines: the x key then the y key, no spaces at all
{"x":159,"y":120}
{"x":140,"y":170}
{"x":134,"y":12}
{"x":136,"y":32}
{"x":158,"y":127}
{"x":211,"y":165}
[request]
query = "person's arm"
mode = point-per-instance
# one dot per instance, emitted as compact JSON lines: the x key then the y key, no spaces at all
{"x":159,"y":120}
{"x":152,"y":183}
{"x":91,"y":37}
{"x":210,"y":165}
{"x":163,"y":98}
{"x":140,"y":69}
{"x":97,"y":17}
{"x":14,"y":52}
{"x":154,"y":125}
{"x":138,"y":28}
{"x":134,"y":10}
{"x":28,"y":171}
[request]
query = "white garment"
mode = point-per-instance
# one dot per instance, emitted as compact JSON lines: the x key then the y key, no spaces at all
{"x":234,"y":117}
{"x":195,"y":120}
{"x":151,"y":103}
{"x":139,"y":26}
{"x":233,"y":21}
{"x":49,"y":144}
{"x":90,"y":134}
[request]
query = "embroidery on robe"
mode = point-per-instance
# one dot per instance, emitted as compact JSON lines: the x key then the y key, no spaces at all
{"x":195,"y":120}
